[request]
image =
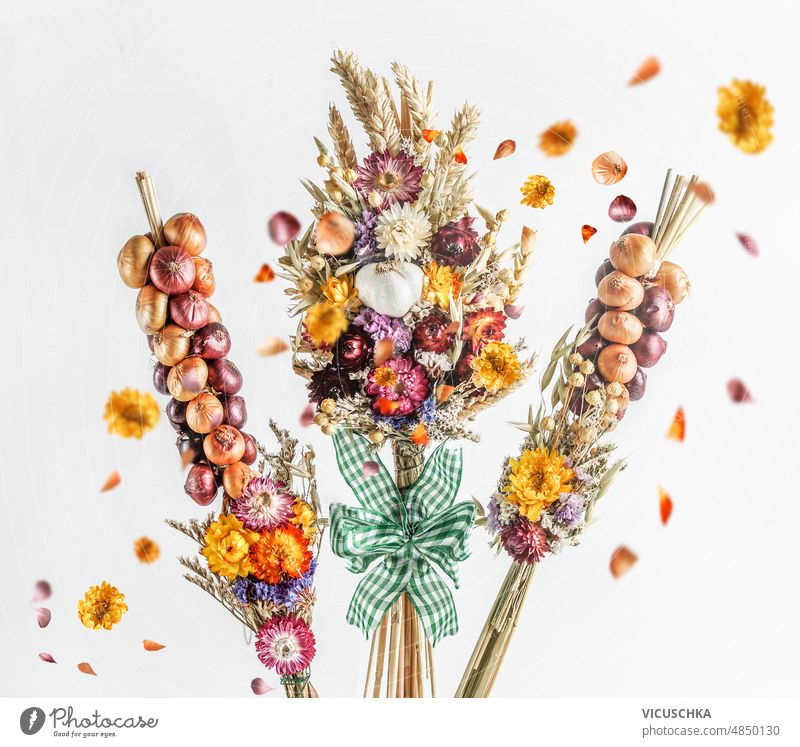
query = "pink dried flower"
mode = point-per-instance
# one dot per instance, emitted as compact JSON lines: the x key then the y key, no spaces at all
{"x":285,"y":644}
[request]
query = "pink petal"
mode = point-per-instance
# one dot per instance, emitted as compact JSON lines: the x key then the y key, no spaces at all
{"x":283,"y":227}
{"x":622,"y":209}
{"x":41,"y":591}
{"x":42,"y":616}
{"x":514,"y":312}
{"x":738,"y":391}
{"x":370,"y":468}
{"x":44,"y":656}
{"x":307,"y":416}
{"x":749,"y":243}
{"x":260,"y":687}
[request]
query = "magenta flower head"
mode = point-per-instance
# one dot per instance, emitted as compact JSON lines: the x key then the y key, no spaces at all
{"x":525,"y":541}
{"x":285,"y":644}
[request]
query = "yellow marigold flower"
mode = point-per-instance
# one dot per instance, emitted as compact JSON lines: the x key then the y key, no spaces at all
{"x":497,"y":367}
{"x":102,"y":607}
{"x":146,"y":550}
{"x":305,"y":519}
{"x":557,"y":139}
{"x":131,"y":413}
{"x":325,"y":322}
{"x":537,"y":192}
{"x":536,"y":480}
{"x":341,"y":291}
{"x":441,"y":283}
{"x":227,"y":547}
{"x":745,"y":115}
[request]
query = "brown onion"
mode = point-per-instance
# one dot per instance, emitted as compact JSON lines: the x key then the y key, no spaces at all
{"x":250,"y":449}
{"x":151,"y":309}
{"x":235,"y":410}
{"x":633,"y":254}
{"x":657,"y":310}
{"x":235,"y":479}
{"x":617,"y":363}
{"x":620,"y":326}
{"x":212,"y":341}
{"x":133,"y":261}
{"x":620,"y":291}
{"x":176,"y":414}
{"x":204,"y":282}
{"x":201,"y":485}
{"x":204,"y":413}
{"x":172,"y":344}
{"x":224,"y":445}
{"x":674,"y":278}
{"x":213,"y":314}
{"x":605,"y":269}
{"x":595,"y":308}
{"x":637,"y":385}
{"x":189,"y":442}
{"x":172,"y":270}
{"x":189,"y":309}
{"x":591,"y":347}
{"x":649,"y":348}
{"x":224,"y":376}
{"x":188,"y":378}
{"x":186,"y":231}
{"x":160,"y":373}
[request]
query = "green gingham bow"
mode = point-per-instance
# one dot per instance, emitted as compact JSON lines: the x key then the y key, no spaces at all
{"x":408,"y":531}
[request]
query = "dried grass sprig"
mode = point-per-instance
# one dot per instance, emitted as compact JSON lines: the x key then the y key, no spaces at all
{"x":342,"y":144}
{"x":522,"y":259}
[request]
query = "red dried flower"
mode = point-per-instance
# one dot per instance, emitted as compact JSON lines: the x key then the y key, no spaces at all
{"x":456,"y":243}
{"x":431,"y":333}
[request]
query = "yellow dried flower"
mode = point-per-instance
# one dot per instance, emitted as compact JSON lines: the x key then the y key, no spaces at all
{"x":131,"y":413}
{"x":304,"y":519}
{"x":102,"y":607}
{"x":227,"y":547}
{"x":536,"y":480}
{"x":146,"y":549}
{"x":557,"y":139}
{"x":441,"y":283}
{"x":325,"y":322}
{"x":497,"y":367}
{"x":745,"y":115}
{"x":537,"y":192}
{"x":341,"y":291}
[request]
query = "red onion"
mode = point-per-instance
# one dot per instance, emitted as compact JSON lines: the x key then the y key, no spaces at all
{"x":592,"y":346}
{"x":595,"y":308}
{"x":605,"y":269}
{"x":577,"y":404}
{"x":172,"y":270}
{"x":250,"y":450}
{"x":187,"y":442}
{"x":649,"y":348}
{"x":224,"y":376}
{"x":160,"y":373}
{"x":657,"y":309}
{"x":644,"y":227}
{"x":283,"y":227}
{"x":201,"y":486}
{"x":212,"y":341}
{"x":234,"y":411}
{"x":176,"y":414}
{"x":637,"y":385}
{"x":189,"y":310}
{"x":622,"y":209}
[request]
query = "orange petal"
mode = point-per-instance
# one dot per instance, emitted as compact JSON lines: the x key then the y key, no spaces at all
{"x":272,"y":346}
{"x":622,"y":561}
{"x":587,"y":232}
{"x":384,"y":349}
{"x":430,"y":135}
{"x":111,"y":482}
{"x":265,"y":275}
{"x":703,"y":191}
{"x":648,"y":69}
{"x":152,"y":645}
{"x":419,"y":435}
{"x":505,"y":149}
{"x":677,"y":428}
{"x":386,"y":406}
{"x":86,"y":668}
{"x":664,"y":505}
{"x":443,"y":392}
{"x":460,"y":156}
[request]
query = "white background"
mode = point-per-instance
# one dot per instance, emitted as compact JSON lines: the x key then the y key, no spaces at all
{"x":219,"y":101}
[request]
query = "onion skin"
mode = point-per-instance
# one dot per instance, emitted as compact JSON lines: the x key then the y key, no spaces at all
{"x":204,"y":413}
{"x":189,"y":310}
{"x":224,"y":445}
{"x":188,"y":378}
{"x":186,"y":231}
{"x":213,"y":313}
{"x":250,"y":450}
{"x":188,"y":441}
{"x":172,"y":345}
{"x":657,"y":310}
{"x":234,"y":411}
{"x":224,"y":376}
{"x":235,"y":479}
{"x":643,"y":227}
{"x":620,"y":326}
{"x":633,"y":254}
{"x":620,"y":291}
{"x":212,"y":341}
{"x":133,"y":261}
{"x":649,"y":348}
{"x":176,"y":414}
{"x":201,"y":485}
{"x":617,"y":363}
{"x":151,"y":309}
{"x":160,"y":373}
{"x":637,"y":385}
{"x":172,"y":270}
{"x":591,"y":347}
{"x":674,"y":278}
{"x":204,"y":282}
{"x":605,"y":269}
{"x":595,"y":308}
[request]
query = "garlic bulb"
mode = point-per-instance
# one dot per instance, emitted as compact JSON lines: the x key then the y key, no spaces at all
{"x":389,"y":289}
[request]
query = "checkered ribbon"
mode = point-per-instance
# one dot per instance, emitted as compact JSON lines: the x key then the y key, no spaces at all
{"x":406,"y":534}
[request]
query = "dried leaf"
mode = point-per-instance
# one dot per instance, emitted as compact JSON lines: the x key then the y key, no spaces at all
{"x":86,"y":668}
{"x":307,"y":416}
{"x":513,"y":311}
{"x":44,"y":656}
{"x":460,"y":156}
{"x":265,"y":275}
{"x":664,"y":505}
{"x":622,"y":209}
{"x":587,"y":232}
{"x":702,"y":191}
{"x":111,"y":482}
{"x":272,"y":346}
{"x":648,"y":69}
{"x":384,"y":349}
{"x":677,"y":429}
{"x":505,"y":149}
{"x":609,"y":168}
{"x":283,"y":227}
{"x":738,"y":391}
{"x":420,"y":435}
{"x":41,"y":591}
{"x":749,"y":243}
{"x":260,"y":687}
{"x":622,"y":561}
{"x":43,"y":616}
{"x":430,"y":135}
{"x":370,"y":468}
{"x":152,"y":645}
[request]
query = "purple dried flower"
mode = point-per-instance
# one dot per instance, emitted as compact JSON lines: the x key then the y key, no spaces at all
{"x":365,"y":243}
{"x":570,"y":510}
{"x":379,"y":327}
{"x":493,"y":515}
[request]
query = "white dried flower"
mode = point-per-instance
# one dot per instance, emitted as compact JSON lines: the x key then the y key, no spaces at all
{"x":434,"y":361}
{"x":402,"y":231}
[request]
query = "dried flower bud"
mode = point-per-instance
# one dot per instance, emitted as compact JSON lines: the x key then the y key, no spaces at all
{"x":337,"y":195}
{"x":350,"y":175}
{"x":427,"y":180}
{"x":612,"y":406}
{"x":548,"y":423}
{"x":329,"y":429}
{"x":337,"y":170}
{"x":376,"y":436}
{"x":587,"y":367}
{"x":593,"y":398}
{"x":576,"y":359}
{"x":323,"y":160}
{"x":327,"y":406}
{"x":318,"y":262}
{"x":501,"y":216}
{"x":321,"y":419}
{"x":375,"y":199}
{"x":577,"y":380}
{"x":587,"y":435}
{"x":614,"y":389}
{"x":305,"y":285}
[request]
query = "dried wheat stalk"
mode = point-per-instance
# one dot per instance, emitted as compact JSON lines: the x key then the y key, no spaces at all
{"x":343,"y":145}
{"x":522,"y":259}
